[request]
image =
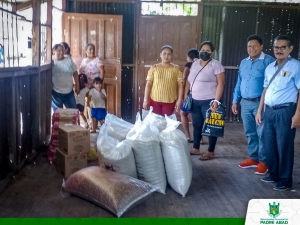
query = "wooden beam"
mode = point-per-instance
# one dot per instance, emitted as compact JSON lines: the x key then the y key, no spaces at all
{"x":36,"y":61}
{"x":262,"y":5}
{"x":109,"y":1}
{"x":36,"y":32}
{"x":24,"y":5}
{"x":49,"y":32}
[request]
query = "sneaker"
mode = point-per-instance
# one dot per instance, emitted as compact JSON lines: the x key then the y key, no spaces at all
{"x":248,"y":163}
{"x":267,"y":180}
{"x":262,"y":169}
{"x":280,"y":187}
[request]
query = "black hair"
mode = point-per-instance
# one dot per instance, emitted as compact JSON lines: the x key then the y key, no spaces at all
{"x":166,"y":46}
{"x":89,"y":44}
{"x":193,"y":53}
{"x":285,"y":38}
{"x":82,"y":80}
{"x":67,"y":47}
{"x":97,"y":80}
{"x":255,"y":37}
{"x":212,"y":48}
{"x":55,"y":47}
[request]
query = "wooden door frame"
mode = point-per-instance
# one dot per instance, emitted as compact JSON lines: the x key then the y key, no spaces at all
{"x":138,"y":17}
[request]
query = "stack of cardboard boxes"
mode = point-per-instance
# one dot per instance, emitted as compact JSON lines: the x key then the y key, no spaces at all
{"x":73,"y":145}
{"x":60,"y":117}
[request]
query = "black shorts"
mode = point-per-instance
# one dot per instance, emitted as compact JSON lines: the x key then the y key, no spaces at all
{"x":80,"y":107}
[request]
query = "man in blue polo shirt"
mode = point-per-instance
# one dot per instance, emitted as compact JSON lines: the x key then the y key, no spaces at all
{"x":248,"y":90}
{"x":280,"y":102}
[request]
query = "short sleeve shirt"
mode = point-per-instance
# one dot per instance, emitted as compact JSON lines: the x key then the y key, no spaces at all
{"x":62,"y":75}
{"x":97,"y":101}
{"x":284,"y":88}
{"x":90,"y":69}
{"x":165,"y":82}
{"x":80,"y":98}
{"x":205,"y":84}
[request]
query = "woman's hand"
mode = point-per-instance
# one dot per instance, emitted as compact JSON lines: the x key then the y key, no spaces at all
{"x":178,"y":105}
{"x":214,"y":107}
{"x":146,"y":105}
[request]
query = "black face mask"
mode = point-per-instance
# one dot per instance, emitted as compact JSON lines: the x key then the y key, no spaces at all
{"x":204,"y":56}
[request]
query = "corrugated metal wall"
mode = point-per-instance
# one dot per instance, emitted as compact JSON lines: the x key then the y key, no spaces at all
{"x":127,"y":10}
{"x":229,"y":26}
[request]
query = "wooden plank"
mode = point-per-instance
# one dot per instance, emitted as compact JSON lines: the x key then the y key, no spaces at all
{"x":24,"y":5}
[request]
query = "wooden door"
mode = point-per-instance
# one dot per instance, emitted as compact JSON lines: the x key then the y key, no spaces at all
{"x":105,"y":32}
{"x":181,"y":32}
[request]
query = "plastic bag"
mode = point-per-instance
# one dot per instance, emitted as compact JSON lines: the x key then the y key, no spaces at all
{"x":144,"y":140}
{"x":115,"y":192}
{"x":175,"y":150}
{"x":214,"y":122}
{"x":117,"y":127}
{"x":156,"y":120}
{"x":92,"y":154}
{"x":114,"y":155}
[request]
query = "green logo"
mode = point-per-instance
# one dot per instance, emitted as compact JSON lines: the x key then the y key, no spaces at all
{"x":274,"y":210}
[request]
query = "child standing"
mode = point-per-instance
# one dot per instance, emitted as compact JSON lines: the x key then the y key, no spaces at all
{"x":96,"y":99}
{"x":80,"y":98}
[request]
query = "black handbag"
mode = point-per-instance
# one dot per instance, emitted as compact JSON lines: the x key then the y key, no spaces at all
{"x":187,"y":103}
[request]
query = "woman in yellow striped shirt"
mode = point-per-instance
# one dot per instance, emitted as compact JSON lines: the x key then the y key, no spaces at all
{"x":164,"y":87}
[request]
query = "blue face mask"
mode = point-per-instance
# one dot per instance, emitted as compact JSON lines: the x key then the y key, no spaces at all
{"x":204,"y":56}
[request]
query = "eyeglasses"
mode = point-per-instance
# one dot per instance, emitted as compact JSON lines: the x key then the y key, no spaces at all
{"x":282,"y":48}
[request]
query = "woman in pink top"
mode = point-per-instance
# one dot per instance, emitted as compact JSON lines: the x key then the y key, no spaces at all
{"x":91,"y":66}
{"x":208,"y":86}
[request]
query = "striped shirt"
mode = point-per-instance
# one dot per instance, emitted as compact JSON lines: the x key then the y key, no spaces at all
{"x":164,"y":87}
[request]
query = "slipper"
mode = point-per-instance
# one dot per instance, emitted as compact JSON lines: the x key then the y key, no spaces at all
{"x":193,"y":152}
{"x":190,"y":141}
{"x":207,"y":156}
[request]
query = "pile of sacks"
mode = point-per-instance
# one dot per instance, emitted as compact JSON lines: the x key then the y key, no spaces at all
{"x":152,"y":150}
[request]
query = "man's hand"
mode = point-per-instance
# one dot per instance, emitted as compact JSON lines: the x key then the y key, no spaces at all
{"x":296,"y":120}
{"x":258,"y":118}
{"x":234,"y":108}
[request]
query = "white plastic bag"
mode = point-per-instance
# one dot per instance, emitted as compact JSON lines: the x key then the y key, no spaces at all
{"x":176,"y":156}
{"x":156,"y":120}
{"x":117,"y":127}
{"x":114,"y":155}
{"x":144,"y":140}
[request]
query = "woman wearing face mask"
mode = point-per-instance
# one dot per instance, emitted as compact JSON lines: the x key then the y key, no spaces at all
{"x":206,"y":83}
{"x":91,"y":66}
{"x":164,"y":87}
{"x":63,"y":72}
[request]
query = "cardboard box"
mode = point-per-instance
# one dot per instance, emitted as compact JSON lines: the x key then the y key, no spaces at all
{"x":69,"y":164}
{"x":65,"y":114}
{"x":73,"y":139}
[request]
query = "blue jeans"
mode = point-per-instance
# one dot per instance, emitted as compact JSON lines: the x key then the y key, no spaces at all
{"x":199,"y":108}
{"x":254,"y":133}
{"x":58,"y":100}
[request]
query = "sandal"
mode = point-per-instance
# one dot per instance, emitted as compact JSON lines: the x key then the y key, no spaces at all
{"x":207,"y":155}
{"x":194,"y":151}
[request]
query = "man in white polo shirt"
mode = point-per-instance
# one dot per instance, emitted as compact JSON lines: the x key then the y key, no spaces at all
{"x":282,"y":113}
